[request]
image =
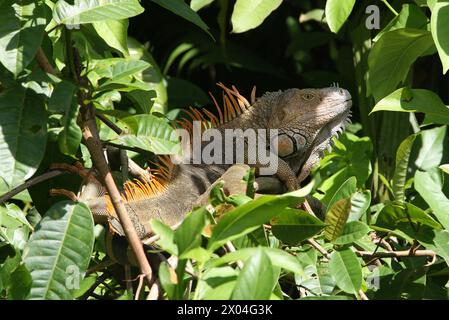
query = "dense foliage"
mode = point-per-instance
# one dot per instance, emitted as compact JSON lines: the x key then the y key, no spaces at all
{"x":385,"y":233}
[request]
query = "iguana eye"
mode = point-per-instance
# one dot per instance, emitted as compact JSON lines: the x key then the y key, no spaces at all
{"x":307,"y":96}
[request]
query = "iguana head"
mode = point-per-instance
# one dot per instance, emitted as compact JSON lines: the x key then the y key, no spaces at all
{"x":307,"y":120}
{"x":306,"y":116}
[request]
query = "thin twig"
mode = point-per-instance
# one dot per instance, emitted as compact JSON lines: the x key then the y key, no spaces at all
{"x":396,"y":254}
{"x":46,"y":176}
{"x":109,"y":123}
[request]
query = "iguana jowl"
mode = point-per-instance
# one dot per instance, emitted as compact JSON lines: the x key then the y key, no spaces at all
{"x":306,"y":120}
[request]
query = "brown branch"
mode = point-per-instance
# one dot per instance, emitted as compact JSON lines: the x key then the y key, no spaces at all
{"x":93,"y":144}
{"x":323,"y":251}
{"x":109,"y":123}
{"x":46,"y":176}
{"x":43,"y":62}
{"x":397,"y":254}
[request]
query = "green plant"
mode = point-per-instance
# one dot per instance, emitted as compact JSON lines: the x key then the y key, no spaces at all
{"x":385,"y":231}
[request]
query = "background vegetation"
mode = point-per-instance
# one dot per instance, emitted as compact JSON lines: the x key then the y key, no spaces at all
{"x":385,"y":234}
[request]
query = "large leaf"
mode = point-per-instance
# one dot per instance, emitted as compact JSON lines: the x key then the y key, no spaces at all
{"x":393,"y":216}
{"x":415,"y":100}
{"x":152,"y":76}
{"x":59,"y":251}
{"x":336,"y":218}
{"x":188,"y":235}
{"x":250,"y":14}
{"x":62,"y":100}
{"x":23,"y":134}
{"x":198,"y":4}
{"x":400,"y":172}
{"x":257,"y":278}
{"x":294,"y":226}
{"x":115,"y":70}
{"x":346,"y":270}
{"x":150,"y":133}
{"x":180,"y":8}
{"x":431,"y":147}
{"x":411,"y":16}
{"x":352,"y":231}
{"x":360,"y":202}
{"x":337,"y":12}
{"x":279,"y":258}
{"x":429,"y":185}
{"x":346,"y":189}
{"x":249,"y":216}
{"x":440,"y":30}
{"x":89,"y":11}
{"x":21,"y":31}
{"x":114,"y":33}
{"x":391,"y":57}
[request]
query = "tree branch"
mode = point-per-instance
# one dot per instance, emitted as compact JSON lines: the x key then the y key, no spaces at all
{"x":46,"y":176}
{"x":93,"y":144}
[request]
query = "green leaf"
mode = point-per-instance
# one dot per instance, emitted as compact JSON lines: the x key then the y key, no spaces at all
{"x":188,"y":235}
{"x":247,"y":217}
{"x":59,"y":251}
{"x":441,"y":244}
{"x":415,"y":100}
{"x":445,"y":168}
{"x":352,"y":231}
{"x":393,"y":216}
{"x":250,"y":14}
{"x":257,"y":278}
{"x":429,"y":185}
{"x":337,"y":12}
{"x":167,"y":236}
{"x":62,"y":100}
{"x":440,"y":30}
{"x":165,"y":277}
{"x":391,"y":57}
{"x":360,"y":202}
{"x":89,"y":11}
{"x":336,"y":218}
{"x":294,"y":226}
{"x":150,"y":133}
{"x":115,"y":70}
{"x":20,"y":283}
{"x":21,"y":32}
{"x":346,"y":270}
{"x":152,"y":76}
{"x":400,"y":172}
{"x":199,"y":4}
{"x":346,"y":189}
{"x":279,"y":258}
{"x":114,"y":33}
{"x":411,"y":16}
{"x":216,"y":283}
{"x":432,"y":143}
{"x":180,"y":8}
{"x":23,"y":134}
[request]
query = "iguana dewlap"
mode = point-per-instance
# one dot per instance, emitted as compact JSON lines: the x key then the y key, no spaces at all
{"x":306,"y":120}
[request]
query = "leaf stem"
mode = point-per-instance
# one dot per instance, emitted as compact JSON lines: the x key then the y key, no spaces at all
{"x":390,"y":7}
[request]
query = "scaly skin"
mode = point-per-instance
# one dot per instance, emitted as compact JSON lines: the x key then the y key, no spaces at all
{"x":307,"y":119}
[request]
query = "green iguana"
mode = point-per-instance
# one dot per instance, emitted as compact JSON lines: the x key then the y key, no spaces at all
{"x":306,"y":120}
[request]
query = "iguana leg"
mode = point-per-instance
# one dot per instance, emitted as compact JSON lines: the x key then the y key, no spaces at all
{"x":286,"y":175}
{"x":233,"y":183}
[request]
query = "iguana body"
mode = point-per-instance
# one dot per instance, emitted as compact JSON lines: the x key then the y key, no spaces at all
{"x":307,"y":120}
